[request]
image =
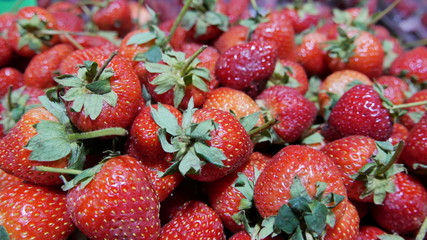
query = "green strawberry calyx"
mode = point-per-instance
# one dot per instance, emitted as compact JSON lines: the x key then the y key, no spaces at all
{"x":3,"y":233}
{"x":178,"y":73}
{"x":188,"y":141}
{"x":343,"y":47}
{"x":282,"y":75}
{"x":31,"y":35}
{"x":303,"y":217}
{"x":378,"y":174}
{"x":90,"y":88}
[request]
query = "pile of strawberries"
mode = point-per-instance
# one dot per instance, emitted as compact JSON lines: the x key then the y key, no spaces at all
{"x":229,"y":121}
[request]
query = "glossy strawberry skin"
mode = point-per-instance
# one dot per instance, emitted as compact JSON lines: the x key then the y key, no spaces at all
{"x":350,"y":154}
{"x":310,"y":54}
{"x":246,"y":67}
{"x":195,"y":220}
{"x":235,"y":35}
{"x":41,"y":69}
{"x":272,"y":188}
{"x":400,"y":133}
{"x":115,"y":16}
{"x":5,"y":52}
{"x":368,"y":232}
{"x":404,"y":210}
{"x":297,"y":72}
{"x":294,"y":112}
{"x":406,"y":119}
{"x":394,"y":88}
{"x":34,"y":212}
{"x":237,"y":146}
{"x":415,"y":149}
{"x":14,"y":157}
{"x":118,"y":203}
{"x":126,"y":85}
{"x":8,"y":180}
{"x":359,"y":112}
{"x":10,"y":77}
{"x":346,"y":227}
{"x":225,"y":199}
{"x":414,"y":62}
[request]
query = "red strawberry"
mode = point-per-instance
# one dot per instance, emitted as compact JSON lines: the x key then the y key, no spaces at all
{"x":114,"y":16}
{"x":311,"y":54}
{"x":368,"y":232}
{"x":10,"y":77}
{"x":394,"y":88}
{"x":235,"y":35}
{"x":400,"y":133}
{"x":44,"y":67}
{"x":242,"y":235}
{"x":195,"y":220}
{"x":34,"y":212}
{"x":7,"y":180}
{"x":113,"y":99}
{"x":65,"y":7}
{"x":415,"y":150}
{"x":118,"y":203}
{"x":296,"y":173}
{"x":411,"y":64}
{"x":294,"y":112}
{"x":302,"y":16}
{"x":68,"y":21}
{"x":24,"y":37}
{"x":7,"y":21}
{"x":359,"y":112}
{"x":246,"y":67}
{"x":346,"y":227}
{"x":87,"y":41}
{"x":179,"y":36}
{"x":234,"y":9}
{"x":289,"y":73}
{"x":404,"y":210}
{"x":5,"y":52}
{"x":226,"y":198}
{"x":414,"y":114}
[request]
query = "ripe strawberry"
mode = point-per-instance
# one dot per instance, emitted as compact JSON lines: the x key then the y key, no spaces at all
{"x":26,"y":37}
{"x":70,"y":22}
{"x":108,"y":96}
{"x":44,"y":67}
{"x":88,"y":41}
{"x":310,"y":53}
{"x":394,"y":88}
{"x":195,"y":220}
{"x":10,"y":77}
{"x":227,"y":198}
{"x":235,"y":35}
{"x":415,"y":149}
{"x":243,"y":235}
{"x":356,"y":50}
{"x":289,"y":73}
{"x":335,"y":85}
{"x":7,"y":20}
{"x":302,"y":16}
{"x":5,"y":52}
{"x":7,"y":180}
{"x":414,"y":114}
{"x":346,"y":227}
{"x":404,"y":210}
{"x":368,"y":232}
{"x":359,"y":111}
{"x":65,"y":7}
{"x":234,"y":9}
{"x":228,"y":99}
{"x":294,"y":112}
{"x":400,"y":133}
{"x":34,"y":212}
{"x":118,"y":203}
{"x":246,"y":67}
{"x":14,"y":156}
{"x":411,"y":64}
{"x":296,"y":173}
{"x":115,"y":15}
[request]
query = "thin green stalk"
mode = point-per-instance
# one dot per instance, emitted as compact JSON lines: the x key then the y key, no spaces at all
{"x":384,"y":12}
{"x":422,"y":232}
{"x":98,"y":133}
{"x":58,"y":170}
{"x":393,"y":159}
{"x":407,"y":105}
{"x":59,"y":32}
{"x":177,"y":22}
{"x":73,"y":41}
{"x":262,"y":127}
{"x":255,"y":5}
{"x":113,"y":54}
{"x":191,"y":59}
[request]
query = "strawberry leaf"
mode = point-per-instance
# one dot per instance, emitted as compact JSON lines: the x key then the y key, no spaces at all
{"x":211,"y":154}
{"x":165,"y":119}
{"x":3,"y":234}
{"x":288,"y":221}
{"x":141,"y":38}
{"x":83,"y":178}
{"x":342,"y":48}
{"x":249,"y":122}
{"x":390,"y":237}
{"x":190,"y":163}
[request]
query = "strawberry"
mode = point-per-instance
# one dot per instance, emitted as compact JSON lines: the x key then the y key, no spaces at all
{"x":34,"y":212}
{"x":414,"y":113}
{"x":246,"y":67}
{"x":415,"y":150}
{"x":310,"y":53}
{"x":368,"y":232}
{"x":294,"y":112}
{"x":235,"y":35}
{"x":356,"y":50}
{"x":302,"y":15}
{"x":394,"y":88}
{"x":28,"y":36}
{"x":228,"y":99}
{"x":410,"y":197}
{"x":411,"y":64}
{"x":346,"y":227}
{"x":7,"y":21}
{"x":68,"y":22}
{"x":10,"y":77}
{"x":365,"y":166}
{"x":178,"y":37}
{"x":400,"y":133}
{"x":102,"y":98}
{"x":195,"y":220}
{"x":5,"y":52}
{"x":359,"y":111}
{"x":44,"y":67}
{"x":228,"y":199}
{"x":242,"y":235}
{"x":65,"y":7}
{"x":8,"y":180}
{"x":119,"y":201}
{"x":114,"y":15}
{"x":289,"y":73}
{"x":234,"y":9}
{"x":299,"y":175}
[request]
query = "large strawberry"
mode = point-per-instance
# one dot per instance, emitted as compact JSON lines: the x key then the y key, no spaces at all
{"x":33,"y":212}
{"x":411,"y":64}
{"x":195,"y":220}
{"x":115,"y":200}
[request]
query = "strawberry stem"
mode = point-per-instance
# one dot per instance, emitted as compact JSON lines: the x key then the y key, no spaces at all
{"x":113,"y":54}
{"x":59,"y":32}
{"x":407,"y":105}
{"x":393,"y":159}
{"x":421,"y":42}
{"x":262,"y":127}
{"x":191,"y":59}
{"x":57,"y":170}
{"x":384,"y":12}
{"x":422,"y":232}
{"x":177,"y":22}
{"x":98,"y":133}
{"x":138,"y":13}
{"x":255,"y":5}
{"x":73,"y":41}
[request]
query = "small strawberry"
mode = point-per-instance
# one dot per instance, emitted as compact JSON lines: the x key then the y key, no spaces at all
{"x":68,"y":22}
{"x":64,"y":6}
{"x":34,"y":212}
{"x":234,"y":9}
{"x":346,"y":227}
{"x":7,"y":180}
{"x":291,"y":74}
{"x":114,"y":15}
{"x":415,"y":150}
{"x":243,"y":235}
{"x":368,"y":232}
{"x":7,"y":21}
{"x":394,"y":88}
{"x":235,"y":35}
{"x":414,"y":113}
{"x":5,"y":52}
{"x":411,"y":64}
{"x":44,"y":67}
{"x":302,"y":15}
{"x":400,"y":133}
{"x":195,"y":220}
{"x":310,"y":53}
{"x":114,"y":200}
{"x":246,"y":67}
{"x":10,"y":77}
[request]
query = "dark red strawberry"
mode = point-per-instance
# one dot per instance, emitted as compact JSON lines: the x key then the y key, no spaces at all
{"x":359,"y":111}
{"x":246,"y":67}
{"x":45,"y":66}
{"x":294,"y":112}
{"x":5,"y":52}
{"x":403,"y":211}
{"x":34,"y":212}
{"x":10,"y":77}
{"x":291,"y":74}
{"x":69,"y":22}
{"x":119,"y":202}
{"x":195,"y":220}
{"x":414,"y":114}
{"x":415,"y":150}
{"x":115,"y":15}
{"x":412,"y":64}
{"x":346,"y":227}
